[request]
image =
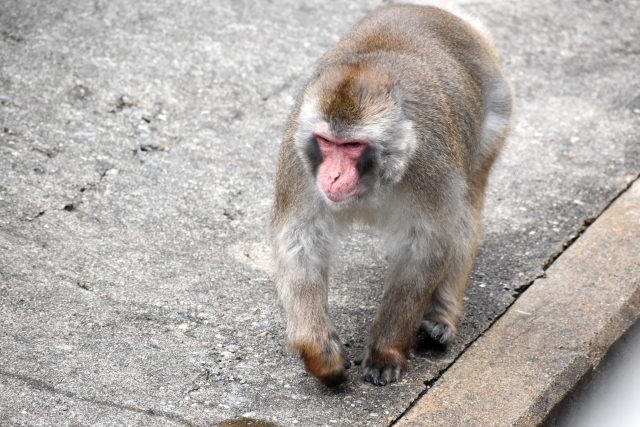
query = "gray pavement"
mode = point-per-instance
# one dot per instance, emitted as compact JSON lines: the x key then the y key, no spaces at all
{"x":137,"y":152}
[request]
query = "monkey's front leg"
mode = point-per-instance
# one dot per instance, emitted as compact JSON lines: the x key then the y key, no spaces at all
{"x":301,"y":278}
{"x":411,"y":281}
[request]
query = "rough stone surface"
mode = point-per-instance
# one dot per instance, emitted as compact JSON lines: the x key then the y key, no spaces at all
{"x":138,"y":143}
{"x":553,"y":334}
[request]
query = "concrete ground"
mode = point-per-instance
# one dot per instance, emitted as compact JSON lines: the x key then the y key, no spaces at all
{"x":138,"y":143}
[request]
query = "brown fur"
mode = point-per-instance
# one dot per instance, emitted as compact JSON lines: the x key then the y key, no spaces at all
{"x":425,"y":87}
{"x":341,"y":105}
{"x":328,"y":368}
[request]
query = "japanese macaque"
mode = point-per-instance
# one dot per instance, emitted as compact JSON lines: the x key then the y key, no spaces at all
{"x":397,"y":129}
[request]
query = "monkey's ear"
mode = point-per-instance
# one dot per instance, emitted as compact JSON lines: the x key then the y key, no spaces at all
{"x":395,"y":96}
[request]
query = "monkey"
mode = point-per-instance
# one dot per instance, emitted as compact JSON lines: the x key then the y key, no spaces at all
{"x":396,"y":129}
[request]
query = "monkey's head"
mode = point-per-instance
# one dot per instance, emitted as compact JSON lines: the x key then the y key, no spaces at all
{"x":352,"y":133}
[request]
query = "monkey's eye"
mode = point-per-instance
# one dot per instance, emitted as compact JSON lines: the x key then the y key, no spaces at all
{"x":323,"y":142}
{"x":353,"y":144}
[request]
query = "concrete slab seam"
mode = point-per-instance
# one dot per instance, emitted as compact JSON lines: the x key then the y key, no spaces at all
{"x":585,"y":225}
{"x":41,"y":385}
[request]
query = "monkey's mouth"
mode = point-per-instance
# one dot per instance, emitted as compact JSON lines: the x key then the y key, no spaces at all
{"x":341,"y":197}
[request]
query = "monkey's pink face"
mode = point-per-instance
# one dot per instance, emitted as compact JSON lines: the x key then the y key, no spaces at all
{"x":339,"y":172}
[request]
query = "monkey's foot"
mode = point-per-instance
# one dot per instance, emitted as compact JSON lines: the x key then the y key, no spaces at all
{"x":439,"y":331}
{"x":382,"y":366}
{"x":326,"y":361}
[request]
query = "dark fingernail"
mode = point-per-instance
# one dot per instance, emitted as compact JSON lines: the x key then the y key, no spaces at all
{"x":375,"y":381}
{"x":383,"y":382}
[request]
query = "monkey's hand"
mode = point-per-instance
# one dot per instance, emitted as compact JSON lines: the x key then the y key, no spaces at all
{"x":382,"y":365}
{"x":326,"y":358}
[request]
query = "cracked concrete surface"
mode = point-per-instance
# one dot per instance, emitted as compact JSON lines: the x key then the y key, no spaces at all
{"x":138,"y":143}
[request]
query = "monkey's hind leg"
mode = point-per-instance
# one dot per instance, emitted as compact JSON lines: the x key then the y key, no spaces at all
{"x":444,"y":307}
{"x":439,"y":320}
